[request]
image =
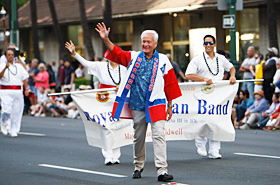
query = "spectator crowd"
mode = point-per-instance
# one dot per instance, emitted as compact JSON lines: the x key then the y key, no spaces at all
{"x":256,"y":105}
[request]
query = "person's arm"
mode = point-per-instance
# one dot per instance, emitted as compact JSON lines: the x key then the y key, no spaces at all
{"x":169,"y":110}
{"x":3,"y":71}
{"x":194,"y":77}
{"x":182,"y":75}
{"x":25,"y":83}
{"x":232,"y":78}
{"x":72,"y":78}
{"x":104,"y":34}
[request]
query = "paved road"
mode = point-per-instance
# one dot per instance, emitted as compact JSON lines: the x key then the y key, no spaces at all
{"x":42,"y":159}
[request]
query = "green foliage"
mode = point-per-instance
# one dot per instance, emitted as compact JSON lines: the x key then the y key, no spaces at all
{"x":21,"y":2}
{"x":80,"y":81}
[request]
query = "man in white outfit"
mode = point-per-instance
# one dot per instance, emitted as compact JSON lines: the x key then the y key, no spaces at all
{"x":12,"y":77}
{"x":206,"y":67}
{"x":109,"y":75}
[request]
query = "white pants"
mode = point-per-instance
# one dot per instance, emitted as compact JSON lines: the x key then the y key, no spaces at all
{"x":12,"y":108}
{"x":214,"y":146}
{"x":112,"y":155}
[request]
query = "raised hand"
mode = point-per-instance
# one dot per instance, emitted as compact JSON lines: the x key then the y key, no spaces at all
{"x":102,"y":30}
{"x":71,"y":47}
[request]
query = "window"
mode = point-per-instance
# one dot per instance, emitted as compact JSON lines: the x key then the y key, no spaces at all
{"x":122,"y":34}
{"x":249,"y":30}
{"x":176,"y":37}
{"x":76,"y":34}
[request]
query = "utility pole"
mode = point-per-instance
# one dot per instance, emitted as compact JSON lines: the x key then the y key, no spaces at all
{"x":14,"y":24}
{"x":232,"y":31}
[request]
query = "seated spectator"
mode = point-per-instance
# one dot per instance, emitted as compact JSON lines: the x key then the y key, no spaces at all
{"x":276,"y":78}
{"x":254,"y":113}
{"x":79,"y":72}
{"x":271,"y":113}
{"x":51,"y":105}
{"x":236,"y":101}
{"x":241,"y":109}
{"x":65,"y":100}
{"x":39,"y":109}
{"x":273,"y":124}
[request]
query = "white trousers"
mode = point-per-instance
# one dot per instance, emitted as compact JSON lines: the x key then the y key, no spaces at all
{"x":214,"y":146}
{"x":158,"y":136}
{"x":12,"y":104}
{"x":112,"y":155}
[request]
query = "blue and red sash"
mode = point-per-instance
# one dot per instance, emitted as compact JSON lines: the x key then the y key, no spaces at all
{"x":120,"y":100}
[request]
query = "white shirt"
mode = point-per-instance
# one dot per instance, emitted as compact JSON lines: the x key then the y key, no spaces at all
{"x":79,"y":73}
{"x":42,"y":97}
{"x":198,"y":66}
{"x":100,"y":70}
{"x":247,"y":62}
{"x":14,"y":75}
{"x":276,"y":78}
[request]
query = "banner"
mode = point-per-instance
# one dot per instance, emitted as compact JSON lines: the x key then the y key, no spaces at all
{"x":202,"y":110}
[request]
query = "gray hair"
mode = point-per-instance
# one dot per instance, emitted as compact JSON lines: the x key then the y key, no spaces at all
{"x":150,"y":32}
{"x":35,"y":60}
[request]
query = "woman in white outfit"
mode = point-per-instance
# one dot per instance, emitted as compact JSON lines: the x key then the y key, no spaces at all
{"x":109,"y":75}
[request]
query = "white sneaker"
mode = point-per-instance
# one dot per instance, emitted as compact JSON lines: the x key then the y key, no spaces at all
{"x":14,"y":135}
{"x":244,"y":127}
{"x":215,"y":155}
{"x":202,"y":151}
{"x":37,"y":115}
{"x":32,"y":113}
{"x":4,"y":129}
{"x":43,"y":115}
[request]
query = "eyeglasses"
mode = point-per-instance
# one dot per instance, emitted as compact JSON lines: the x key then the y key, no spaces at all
{"x":206,"y":43}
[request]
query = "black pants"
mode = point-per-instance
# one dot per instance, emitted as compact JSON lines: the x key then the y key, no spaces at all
{"x":268,"y":89}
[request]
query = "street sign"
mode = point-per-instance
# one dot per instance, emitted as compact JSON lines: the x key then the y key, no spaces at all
{"x":228,"y":21}
{"x":223,"y":5}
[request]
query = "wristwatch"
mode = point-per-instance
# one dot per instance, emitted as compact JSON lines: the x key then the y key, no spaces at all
{"x":169,"y":105}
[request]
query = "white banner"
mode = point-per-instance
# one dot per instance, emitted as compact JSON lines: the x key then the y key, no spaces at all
{"x":202,"y":110}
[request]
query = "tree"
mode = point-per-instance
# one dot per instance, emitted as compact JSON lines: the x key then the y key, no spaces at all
{"x":107,"y":17}
{"x":35,"y":39}
{"x":62,"y":51}
{"x":86,"y":30}
{"x":272,"y":24}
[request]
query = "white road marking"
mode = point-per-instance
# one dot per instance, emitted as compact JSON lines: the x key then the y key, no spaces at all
{"x":81,"y":170}
{"x":32,"y":134}
{"x":257,"y":155}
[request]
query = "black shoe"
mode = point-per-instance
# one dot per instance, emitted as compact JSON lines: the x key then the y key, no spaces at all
{"x":165,"y":177}
{"x":240,"y":124}
{"x":137,"y":174}
{"x":255,"y":126}
{"x":109,"y":163}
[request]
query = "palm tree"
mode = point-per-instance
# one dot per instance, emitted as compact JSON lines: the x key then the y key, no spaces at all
{"x":107,"y":17}
{"x":35,"y":39}
{"x":62,"y":51}
{"x":86,"y":30}
{"x":272,"y":24}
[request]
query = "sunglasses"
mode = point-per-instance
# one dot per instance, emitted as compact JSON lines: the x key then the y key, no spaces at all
{"x":206,"y":43}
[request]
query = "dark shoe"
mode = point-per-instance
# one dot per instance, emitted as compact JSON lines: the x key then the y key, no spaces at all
{"x":255,"y":126}
{"x":109,"y":163}
{"x":240,"y":124}
{"x":137,"y":174}
{"x":165,"y":177}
